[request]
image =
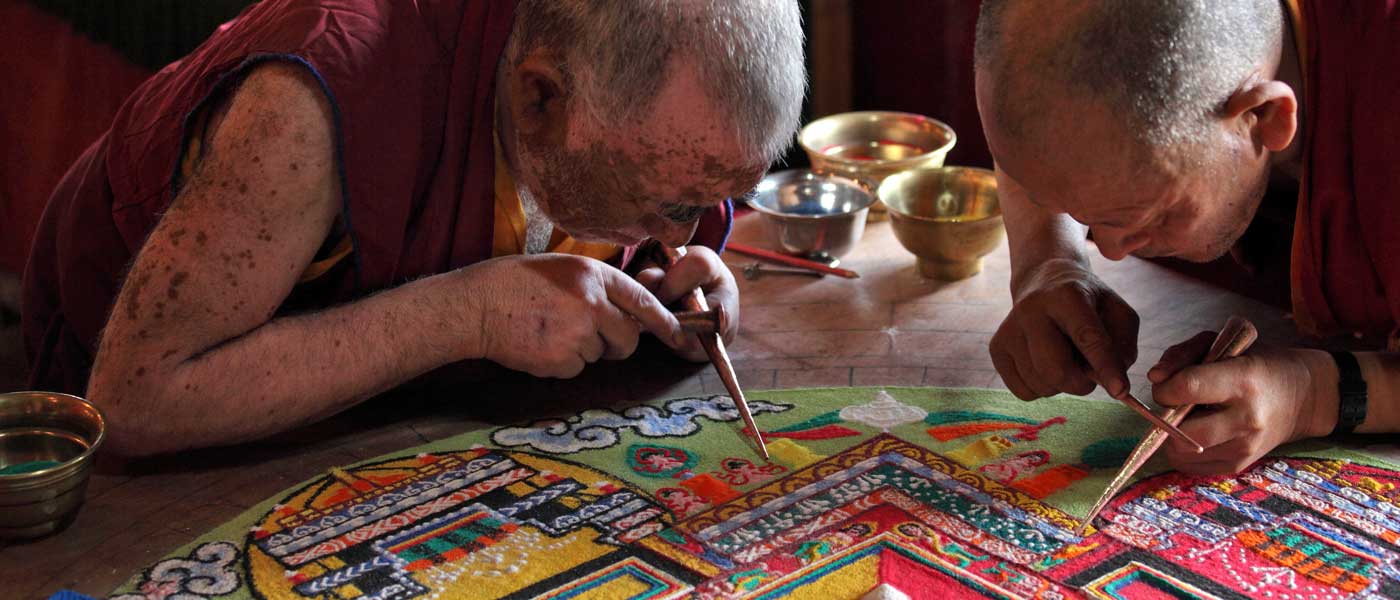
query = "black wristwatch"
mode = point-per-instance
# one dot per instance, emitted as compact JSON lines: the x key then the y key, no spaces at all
{"x":1351,"y":393}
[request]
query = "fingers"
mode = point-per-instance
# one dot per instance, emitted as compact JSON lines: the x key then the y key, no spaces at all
{"x":1089,"y":335}
{"x":691,"y":350}
{"x":1223,"y":434}
{"x":1214,"y":383}
{"x":650,"y":278}
{"x":1225,"y":459}
{"x":1006,"y":345}
{"x":1210,"y":428}
{"x":1180,"y":356}
{"x":699,"y":267}
{"x":1121,"y":322}
{"x":1053,"y":360}
{"x":632,"y":298}
{"x":619,"y":332}
{"x":557,"y":367}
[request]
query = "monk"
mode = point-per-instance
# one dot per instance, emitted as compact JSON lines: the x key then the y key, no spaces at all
{"x":330,"y":198}
{"x":1156,"y":127}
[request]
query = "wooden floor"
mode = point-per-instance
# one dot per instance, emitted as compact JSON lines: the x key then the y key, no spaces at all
{"x":890,"y":327}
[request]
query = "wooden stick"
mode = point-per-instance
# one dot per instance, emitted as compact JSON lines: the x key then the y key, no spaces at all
{"x":791,"y":261}
{"x":1233,"y":339}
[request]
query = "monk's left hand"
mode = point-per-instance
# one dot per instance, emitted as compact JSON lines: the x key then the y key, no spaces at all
{"x":702,"y":268}
{"x":1246,"y":406}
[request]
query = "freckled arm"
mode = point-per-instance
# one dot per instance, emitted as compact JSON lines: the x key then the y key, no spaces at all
{"x":192,"y":354}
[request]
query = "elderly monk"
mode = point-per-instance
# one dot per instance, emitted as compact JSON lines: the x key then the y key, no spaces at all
{"x":1157,"y":126}
{"x":330,"y":198}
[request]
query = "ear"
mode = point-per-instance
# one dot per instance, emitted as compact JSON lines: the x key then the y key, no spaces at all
{"x":1268,"y":110}
{"x":537,"y":96}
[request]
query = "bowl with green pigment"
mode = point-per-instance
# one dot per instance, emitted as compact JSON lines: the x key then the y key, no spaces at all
{"x":47,"y":441}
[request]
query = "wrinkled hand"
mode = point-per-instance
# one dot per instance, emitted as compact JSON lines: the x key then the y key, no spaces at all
{"x":702,"y":268}
{"x":1066,"y":332}
{"x":551,"y":314}
{"x":1246,"y":406}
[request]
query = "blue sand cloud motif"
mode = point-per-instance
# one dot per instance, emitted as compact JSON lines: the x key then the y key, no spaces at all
{"x":601,"y":428}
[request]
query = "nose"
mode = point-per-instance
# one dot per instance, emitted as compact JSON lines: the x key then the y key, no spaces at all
{"x":669,"y":232}
{"x":1117,"y":245}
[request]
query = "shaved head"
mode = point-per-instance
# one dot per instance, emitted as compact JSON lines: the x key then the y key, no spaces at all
{"x":1150,"y":121}
{"x":1164,"y":67}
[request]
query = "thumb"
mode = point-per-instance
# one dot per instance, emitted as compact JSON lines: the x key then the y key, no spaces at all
{"x":651,"y":278}
{"x":634,"y":299}
{"x":1214,"y":383}
{"x":1180,"y":356}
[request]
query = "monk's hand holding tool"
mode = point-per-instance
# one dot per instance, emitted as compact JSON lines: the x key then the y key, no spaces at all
{"x":549,"y":315}
{"x":699,"y":267}
{"x":695,"y":303}
{"x":1066,"y":332}
{"x":1245,"y":406}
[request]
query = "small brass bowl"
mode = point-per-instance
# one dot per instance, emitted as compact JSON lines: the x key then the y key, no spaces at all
{"x":51,"y":438}
{"x":949,"y":217}
{"x":869,"y":146}
{"x":820,"y":217}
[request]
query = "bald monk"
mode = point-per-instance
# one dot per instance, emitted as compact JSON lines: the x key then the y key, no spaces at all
{"x":330,"y":198}
{"x":1157,"y":126}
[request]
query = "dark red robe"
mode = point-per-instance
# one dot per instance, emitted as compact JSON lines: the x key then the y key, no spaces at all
{"x":412,"y":87}
{"x":1346,"y":244}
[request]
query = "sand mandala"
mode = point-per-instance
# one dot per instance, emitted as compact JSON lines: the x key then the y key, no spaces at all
{"x":929,"y":493}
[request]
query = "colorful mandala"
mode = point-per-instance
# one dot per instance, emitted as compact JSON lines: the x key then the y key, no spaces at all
{"x":904,"y":511}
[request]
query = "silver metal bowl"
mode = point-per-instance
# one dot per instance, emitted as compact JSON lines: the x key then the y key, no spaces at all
{"x":819,"y":217}
{"x":49,"y":438}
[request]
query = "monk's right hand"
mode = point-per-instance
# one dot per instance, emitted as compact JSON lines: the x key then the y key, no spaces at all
{"x":1067,"y":331}
{"x":549,"y":315}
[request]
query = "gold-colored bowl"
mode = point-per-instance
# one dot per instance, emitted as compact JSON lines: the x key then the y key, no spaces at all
{"x":869,"y":146}
{"x":949,"y":217}
{"x":47,"y":441}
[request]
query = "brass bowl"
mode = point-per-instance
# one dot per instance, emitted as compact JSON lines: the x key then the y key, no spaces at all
{"x":869,"y":146}
{"x":820,"y":217}
{"x":52,"y":438}
{"x":949,"y":217}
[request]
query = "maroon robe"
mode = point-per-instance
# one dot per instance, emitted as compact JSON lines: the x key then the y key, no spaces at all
{"x":1346,"y":243}
{"x":412,"y":88}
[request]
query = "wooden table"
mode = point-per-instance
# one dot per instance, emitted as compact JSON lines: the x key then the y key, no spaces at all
{"x":890,"y":327}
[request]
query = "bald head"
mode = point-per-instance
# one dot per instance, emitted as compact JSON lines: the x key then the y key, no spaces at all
{"x":1162,"y":68}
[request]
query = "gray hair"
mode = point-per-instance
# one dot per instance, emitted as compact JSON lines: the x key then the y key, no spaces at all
{"x":748,"y":52}
{"x":1165,"y":66}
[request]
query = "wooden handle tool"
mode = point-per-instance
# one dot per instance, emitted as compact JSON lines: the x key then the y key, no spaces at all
{"x":1236,"y":337}
{"x":709,"y":336}
{"x":714,"y":320}
{"x":791,"y":261}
